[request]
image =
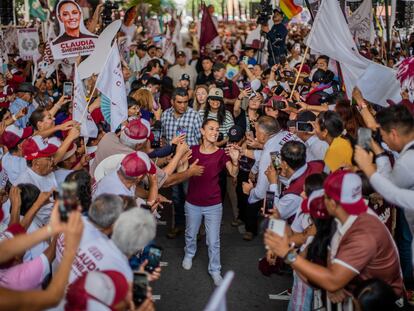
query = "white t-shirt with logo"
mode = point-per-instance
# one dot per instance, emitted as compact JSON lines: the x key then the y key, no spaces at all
{"x":96,"y":252}
{"x":111,"y":184}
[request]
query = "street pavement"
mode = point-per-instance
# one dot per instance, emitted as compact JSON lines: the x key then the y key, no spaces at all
{"x":182,"y":290}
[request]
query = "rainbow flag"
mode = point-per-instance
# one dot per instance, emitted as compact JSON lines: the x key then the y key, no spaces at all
{"x":289,"y":8}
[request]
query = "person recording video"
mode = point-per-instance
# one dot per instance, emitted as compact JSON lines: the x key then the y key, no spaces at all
{"x":276,"y":37}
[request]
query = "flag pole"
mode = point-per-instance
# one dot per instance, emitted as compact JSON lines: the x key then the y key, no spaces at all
{"x":94,"y":87}
{"x":304,"y":55}
{"x":298,"y":74}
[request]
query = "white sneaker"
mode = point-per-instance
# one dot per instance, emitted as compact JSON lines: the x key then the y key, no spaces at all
{"x":187,"y":263}
{"x":217,"y":278}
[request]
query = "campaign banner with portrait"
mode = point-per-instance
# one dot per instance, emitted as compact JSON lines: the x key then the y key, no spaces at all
{"x":28,"y":41}
{"x":73,"y":39}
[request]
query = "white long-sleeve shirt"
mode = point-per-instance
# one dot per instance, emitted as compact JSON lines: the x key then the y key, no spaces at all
{"x":288,"y":204}
{"x":274,"y":144}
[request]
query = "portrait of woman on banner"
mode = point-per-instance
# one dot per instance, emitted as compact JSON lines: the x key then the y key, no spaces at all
{"x":73,"y":38}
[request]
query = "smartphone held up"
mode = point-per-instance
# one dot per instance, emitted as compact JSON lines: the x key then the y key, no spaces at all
{"x":68,"y":200}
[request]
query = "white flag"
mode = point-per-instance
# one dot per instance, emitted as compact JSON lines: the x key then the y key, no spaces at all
{"x":111,"y":83}
{"x":330,"y":36}
{"x":88,"y":126}
{"x":360,"y":22}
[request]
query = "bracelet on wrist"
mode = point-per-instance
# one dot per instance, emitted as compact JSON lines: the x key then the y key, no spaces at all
{"x":49,"y":229}
{"x":14,"y":118}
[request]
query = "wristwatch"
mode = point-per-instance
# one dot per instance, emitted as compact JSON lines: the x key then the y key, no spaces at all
{"x":290,"y":257}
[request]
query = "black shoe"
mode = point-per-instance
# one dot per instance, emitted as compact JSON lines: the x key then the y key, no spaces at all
{"x":174,"y":232}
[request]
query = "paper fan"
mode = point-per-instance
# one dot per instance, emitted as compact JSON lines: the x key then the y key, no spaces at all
{"x":405,"y":73}
{"x":106,"y":108}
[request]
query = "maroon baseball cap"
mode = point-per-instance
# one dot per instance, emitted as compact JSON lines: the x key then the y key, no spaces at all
{"x":345,"y":188}
{"x":36,"y":147}
{"x":315,"y":205}
{"x":14,"y":134}
{"x":137,"y":131}
{"x":106,"y":288}
{"x":137,"y":164}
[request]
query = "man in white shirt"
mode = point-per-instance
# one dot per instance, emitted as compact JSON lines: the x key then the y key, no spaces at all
{"x":270,"y":135}
{"x":13,"y":162}
{"x":131,"y":231}
{"x":39,"y":155}
{"x":134,"y":167}
{"x":181,"y":67}
{"x":295,"y":169}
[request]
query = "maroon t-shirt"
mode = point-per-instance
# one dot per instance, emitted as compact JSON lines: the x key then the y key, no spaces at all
{"x":204,"y":190}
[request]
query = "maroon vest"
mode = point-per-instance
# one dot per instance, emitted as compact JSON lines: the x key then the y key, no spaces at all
{"x":296,"y":186}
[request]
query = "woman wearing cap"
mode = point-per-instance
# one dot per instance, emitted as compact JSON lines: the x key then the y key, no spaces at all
{"x":204,"y":196}
{"x":216,"y":110}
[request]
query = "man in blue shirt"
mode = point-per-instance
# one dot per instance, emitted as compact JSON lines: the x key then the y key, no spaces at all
{"x":24,"y":99}
{"x":276,"y":38}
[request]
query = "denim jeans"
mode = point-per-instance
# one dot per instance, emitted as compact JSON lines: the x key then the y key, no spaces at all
{"x":404,"y":239}
{"x":179,"y":193}
{"x":212,"y":220}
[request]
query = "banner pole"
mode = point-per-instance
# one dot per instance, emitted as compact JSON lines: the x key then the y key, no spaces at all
{"x":298,"y":74}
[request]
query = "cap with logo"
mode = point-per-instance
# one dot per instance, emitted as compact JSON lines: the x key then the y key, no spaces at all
{"x":137,"y":164}
{"x":97,"y":290}
{"x":236,"y":134}
{"x":315,"y":205}
{"x":36,"y":147}
{"x":185,"y":76}
{"x":13,"y":135}
{"x":181,"y":54}
{"x":215,"y":93}
{"x":137,"y":131}
{"x":345,"y":188}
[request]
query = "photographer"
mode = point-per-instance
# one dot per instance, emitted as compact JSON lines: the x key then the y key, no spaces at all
{"x":276,"y":37}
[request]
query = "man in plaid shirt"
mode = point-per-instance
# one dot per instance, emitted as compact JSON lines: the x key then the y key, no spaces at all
{"x":181,"y":116}
{"x":185,"y":119}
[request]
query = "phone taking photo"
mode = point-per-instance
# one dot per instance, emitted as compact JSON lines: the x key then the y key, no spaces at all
{"x":270,"y":196}
{"x":140,"y":288}
{"x":154,"y":258}
{"x":180,"y":131}
{"x":277,"y":226}
{"x":276,"y":160}
{"x":304,"y":126}
{"x":68,"y":89}
{"x":364,"y":138}
{"x":68,"y":200}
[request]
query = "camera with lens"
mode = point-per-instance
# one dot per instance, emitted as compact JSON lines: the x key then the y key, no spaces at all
{"x":108,"y":7}
{"x":264,"y":12}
